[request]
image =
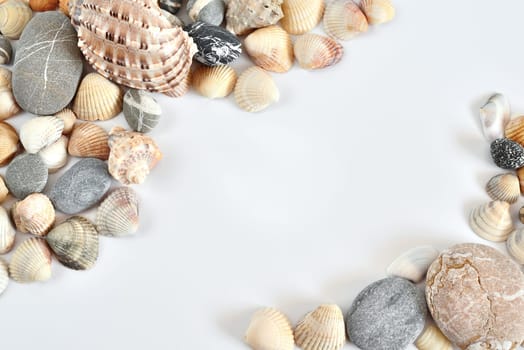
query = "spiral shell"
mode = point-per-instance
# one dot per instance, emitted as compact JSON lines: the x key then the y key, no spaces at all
{"x":269,"y":329}
{"x":433,"y":339}
{"x":255,"y":90}
{"x":315,"y":51}
{"x":504,"y":187}
{"x":301,"y":16}
{"x":378,"y":11}
{"x":69,"y":119}
{"x":40,"y":132}
{"x":344,"y":20}
{"x":55,"y":155}
{"x":322,"y":329}
{"x":118,"y":213}
{"x":492,"y":221}
{"x":270,"y":48}
{"x":4,"y":276}
{"x":8,"y":143}
{"x":214,"y":82}
{"x":89,"y":140}
{"x":34,"y":214}
{"x":7,"y":232}
{"x":14,"y":16}
{"x":31,"y":261}
{"x":97,"y":98}
{"x":8,"y":105}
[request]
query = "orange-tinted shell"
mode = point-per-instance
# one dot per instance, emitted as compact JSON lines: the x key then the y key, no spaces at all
{"x":43,"y":5}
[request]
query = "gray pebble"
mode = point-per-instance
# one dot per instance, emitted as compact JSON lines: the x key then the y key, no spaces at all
{"x":507,"y":154}
{"x":209,"y":11}
{"x":26,"y":174}
{"x":141,"y":110}
{"x":171,"y":6}
{"x":6,"y":50}
{"x":81,"y":187}
{"x":387,"y":315}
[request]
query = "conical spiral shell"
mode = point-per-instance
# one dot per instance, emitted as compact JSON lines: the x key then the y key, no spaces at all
{"x":322,"y":329}
{"x":14,"y":16}
{"x":344,"y":20}
{"x":504,"y":187}
{"x":89,"y":140}
{"x":97,"y":98}
{"x":4,"y":276}
{"x":69,"y":119}
{"x":8,"y":105}
{"x":34,"y":214}
{"x":8,"y":143}
{"x":433,"y":339}
{"x":270,"y":48}
{"x":269,"y":330}
{"x":315,"y":51}
{"x":301,"y":16}
{"x":7,"y":232}
{"x":515,"y":245}
{"x":214,"y":82}
{"x":378,"y":11}
{"x":55,"y":155}
{"x":40,"y":132}
{"x":75,"y":243}
{"x":413,"y":264}
{"x":492,"y":221}
{"x":255,"y":90}
{"x":31,"y":261}
{"x":118,"y":213}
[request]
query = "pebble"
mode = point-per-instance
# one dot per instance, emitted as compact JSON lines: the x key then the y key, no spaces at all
{"x":141,"y":110}
{"x":48,"y":64}
{"x":6,"y":50}
{"x":387,"y":315}
{"x":81,"y":187}
{"x":209,"y":11}
{"x":26,"y":174}
{"x":507,"y":154}
{"x":171,"y":6}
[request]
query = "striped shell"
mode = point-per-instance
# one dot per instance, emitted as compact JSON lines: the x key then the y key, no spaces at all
{"x":4,"y":191}
{"x":270,"y":48}
{"x":55,"y":155}
{"x":301,"y":16}
{"x":315,"y":51}
{"x":31,"y":261}
{"x":492,"y":221}
{"x":7,"y":232}
{"x":515,"y":129}
{"x":321,"y":329}
{"x":8,"y":143}
{"x":255,"y":90}
{"x":89,"y":140}
{"x":34,"y":214}
{"x":40,"y":132}
{"x":132,"y":43}
{"x":344,"y":20}
{"x":8,"y":106}
{"x":378,"y":11}
{"x":69,"y":119}
{"x":433,"y":339}
{"x":504,"y":187}
{"x":214,"y":82}
{"x":118,"y":213}
{"x":14,"y":16}
{"x":4,"y":276}
{"x":515,"y":245}
{"x":97,"y":98}
{"x":269,"y":329}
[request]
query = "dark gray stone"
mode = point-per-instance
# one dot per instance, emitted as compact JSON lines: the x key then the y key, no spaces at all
{"x":26,"y":174}
{"x":209,"y":11}
{"x":507,"y":154}
{"x":141,"y":110}
{"x":48,"y":64}
{"x":81,"y":187}
{"x":387,"y":315}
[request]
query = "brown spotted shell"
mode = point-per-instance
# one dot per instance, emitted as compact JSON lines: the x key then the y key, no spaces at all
{"x":132,"y":43}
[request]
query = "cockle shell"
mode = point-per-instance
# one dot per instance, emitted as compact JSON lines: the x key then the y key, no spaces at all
{"x":132,"y":156}
{"x":118,"y":213}
{"x":255,"y":90}
{"x":97,"y":98}
{"x":40,"y":132}
{"x":132,"y":43}
{"x":174,"y":20}
{"x":31,"y":261}
{"x":269,"y":330}
{"x":55,"y":155}
{"x":270,"y":48}
{"x":492,"y":221}
{"x":494,"y":116}
{"x":433,"y":339}
{"x":89,"y":140}
{"x":504,"y":187}
{"x":515,"y":245}
{"x":182,"y":88}
{"x":301,"y":16}
{"x":8,"y":105}
{"x":322,"y":329}
{"x":75,"y":243}
{"x":344,"y":20}
{"x":14,"y":15}
{"x":8,"y":143}
{"x":315,"y":51}
{"x":69,"y":119}
{"x":244,"y":15}
{"x":7,"y":232}
{"x":413,"y":264}
{"x":43,"y":5}
{"x":514,"y":130}
{"x":35,"y":214}
{"x":141,"y":110}
{"x":4,"y":191}
{"x":6,"y":50}
{"x":63,"y":5}
{"x":4,"y":276}
{"x":214,"y":82}
{"x":378,"y":11}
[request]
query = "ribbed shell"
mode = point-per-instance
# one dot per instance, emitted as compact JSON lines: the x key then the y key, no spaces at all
{"x":14,"y":16}
{"x":433,"y":339}
{"x":315,"y":51}
{"x":504,"y":187}
{"x":269,"y":329}
{"x":301,"y":16}
{"x":492,"y":221}
{"x":515,"y":130}
{"x":31,"y":261}
{"x":322,"y":329}
{"x":118,"y":213}
{"x":344,"y":20}
{"x":4,"y":276}
{"x":89,"y":140}
{"x":413,"y":264}
{"x":7,"y":232}
{"x":378,"y":11}
{"x":214,"y":82}
{"x":8,"y":143}
{"x":97,"y":98}
{"x":8,"y":105}
{"x":4,"y":191}
{"x":182,"y":88}
{"x":55,"y":155}
{"x":69,"y":119}
{"x":34,"y":214}
{"x":40,"y":132}
{"x":255,"y":90}
{"x":515,"y":245}
{"x":520,"y":175}
{"x":132,"y":43}
{"x":63,"y":5}
{"x":270,"y":48}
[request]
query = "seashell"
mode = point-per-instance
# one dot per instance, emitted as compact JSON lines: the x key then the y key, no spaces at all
{"x":315,"y":51}
{"x":8,"y":143}
{"x":413,"y":264}
{"x":514,"y":130}
{"x":214,"y":82}
{"x":43,"y":5}
{"x":171,"y":6}
{"x":507,"y":154}
{"x":134,"y":45}
{"x":301,"y":16}
{"x":520,"y":175}
{"x":141,"y":110}
{"x":4,"y":191}
{"x":378,"y":11}
{"x":31,"y":261}
{"x":208,"y":11}
{"x":34,"y":214}
{"x":40,"y":132}
{"x":270,"y":48}
{"x":255,"y":90}
{"x":8,"y":105}
{"x":55,"y":155}
{"x":344,"y":20}
{"x":6,"y":50}
{"x":433,"y":339}
{"x":504,"y":187}
{"x":118,"y":213}
{"x":269,"y":329}
{"x":494,"y":116}
{"x":174,"y":20}
{"x":244,"y":15}
{"x":97,"y":98}
{"x":63,"y":5}
{"x":132,"y":156}
{"x":521,"y":215}
{"x":7,"y":232}
{"x":4,"y":276}
{"x":182,"y":88}
{"x":322,"y":329}
{"x":69,"y":119}
{"x":75,"y":243}
{"x":14,"y":16}
{"x":515,"y":245}
{"x":89,"y":140}
{"x":492,"y":221}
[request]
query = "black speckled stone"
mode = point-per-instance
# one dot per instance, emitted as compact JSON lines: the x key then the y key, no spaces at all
{"x":387,"y":315}
{"x":507,"y":154}
{"x":26,"y":174}
{"x":216,"y":46}
{"x":171,"y":6}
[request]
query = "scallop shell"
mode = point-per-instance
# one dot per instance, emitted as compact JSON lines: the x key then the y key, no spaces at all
{"x":515,"y":245}
{"x":75,"y":243}
{"x":6,"y":50}
{"x":132,"y":156}
{"x":255,"y":90}
{"x":301,"y":16}
{"x":413,"y":264}
{"x":63,"y":5}
{"x":55,"y":155}
{"x":315,"y":51}
{"x":132,"y":43}
{"x":4,"y":191}
{"x":214,"y":82}
{"x":492,"y":221}
{"x":97,"y":98}
{"x":344,"y":20}
{"x":433,"y":339}
{"x":270,"y":48}
{"x":494,"y":116}
{"x":8,"y":143}
{"x":14,"y":16}
{"x":31,"y":261}
{"x":378,"y":11}
{"x":89,"y":140}
{"x":118,"y":213}
{"x":69,"y":119}
{"x":244,"y":15}
{"x":182,"y":88}
{"x":504,"y":187}
{"x":322,"y":329}
{"x":8,"y":105}
{"x":174,"y":20}
{"x":514,"y":130}
{"x":4,"y":276}
{"x":7,"y":232}
{"x":40,"y":132}
{"x":35,"y":214}
{"x":269,"y":330}
{"x":141,"y":110}
{"x":43,"y":5}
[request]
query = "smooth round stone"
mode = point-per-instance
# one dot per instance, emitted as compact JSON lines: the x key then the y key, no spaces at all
{"x":48,"y":64}
{"x":216,"y":46}
{"x":387,"y":315}
{"x":171,"y":6}
{"x":26,"y":174}
{"x":209,"y":11}
{"x":476,"y":296}
{"x":141,"y":110}
{"x":6,"y":50}
{"x":81,"y":187}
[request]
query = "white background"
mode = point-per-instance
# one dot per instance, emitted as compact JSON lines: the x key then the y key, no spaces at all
{"x":303,"y":204}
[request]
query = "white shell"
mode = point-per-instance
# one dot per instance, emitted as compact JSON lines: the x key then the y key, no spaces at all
{"x":413,"y":264}
{"x":31,"y":261}
{"x":117,"y":215}
{"x":40,"y":132}
{"x":504,"y":187}
{"x":4,"y":276}
{"x":494,"y":116}
{"x":492,"y":221}
{"x":255,"y":90}
{"x":433,"y":339}
{"x":55,"y":155}
{"x":7,"y":232}
{"x":321,"y":329}
{"x":515,"y":245}
{"x":269,"y":330}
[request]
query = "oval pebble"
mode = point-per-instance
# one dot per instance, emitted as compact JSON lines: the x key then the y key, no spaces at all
{"x":507,"y":154}
{"x":141,"y":110}
{"x":209,"y":11}
{"x":26,"y":174}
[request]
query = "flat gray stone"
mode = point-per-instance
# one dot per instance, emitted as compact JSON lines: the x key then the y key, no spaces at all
{"x":209,"y":11}
{"x":81,"y":187}
{"x":48,"y":64}
{"x":26,"y":174}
